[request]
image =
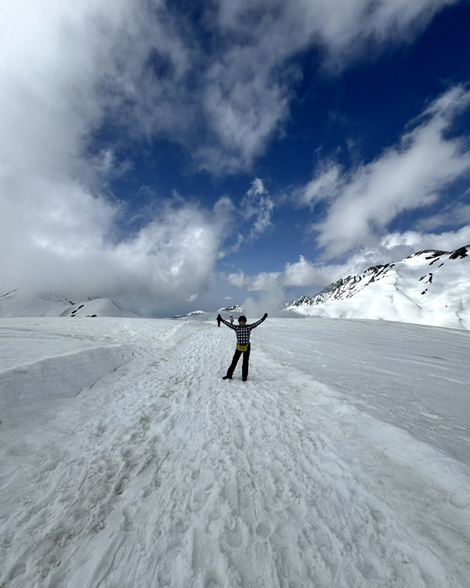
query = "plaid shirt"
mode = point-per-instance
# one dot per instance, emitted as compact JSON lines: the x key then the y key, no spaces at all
{"x":243,"y":333}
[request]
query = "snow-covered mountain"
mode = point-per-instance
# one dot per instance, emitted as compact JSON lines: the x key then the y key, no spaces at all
{"x":429,"y":287}
{"x":232,"y":308}
{"x":22,"y":303}
{"x":192,"y":313}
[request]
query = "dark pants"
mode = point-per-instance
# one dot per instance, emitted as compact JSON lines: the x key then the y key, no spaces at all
{"x":236,"y":357}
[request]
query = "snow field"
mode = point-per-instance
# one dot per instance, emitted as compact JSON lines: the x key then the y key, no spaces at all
{"x":412,"y":376}
{"x":162,"y":474}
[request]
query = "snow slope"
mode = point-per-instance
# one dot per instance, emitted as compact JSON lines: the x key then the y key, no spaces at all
{"x":344,"y":461}
{"x":429,"y":287}
{"x":21,"y":303}
{"x":232,"y":308}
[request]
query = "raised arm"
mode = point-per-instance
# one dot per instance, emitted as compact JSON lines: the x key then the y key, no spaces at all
{"x":225,"y":322}
{"x":254,"y":325}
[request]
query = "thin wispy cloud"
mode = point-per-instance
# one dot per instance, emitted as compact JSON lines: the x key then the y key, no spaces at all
{"x":257,"y":205}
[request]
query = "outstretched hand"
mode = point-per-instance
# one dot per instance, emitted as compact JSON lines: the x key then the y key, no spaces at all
{"x":265,"y":316}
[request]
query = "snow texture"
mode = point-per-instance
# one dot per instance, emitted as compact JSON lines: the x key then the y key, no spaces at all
{"x":343,"y":461}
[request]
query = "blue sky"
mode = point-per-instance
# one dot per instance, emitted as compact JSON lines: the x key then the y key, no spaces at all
{"x":183,"y":155}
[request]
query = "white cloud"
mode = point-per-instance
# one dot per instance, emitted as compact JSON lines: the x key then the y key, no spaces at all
{"x":255,"y":209}
{"x":65,"y":248}
{"x":323,"y":186}
{"x":247,"y":88}
{"x":302,"y":273}
{"x":361,"y":203}
{"x":66,"y":68}
{"x":144,"y":64}
{"x":263,"y":281}
{"x":452,"y":215}
{"x":258,"y":204}
{"x":63,"y":68}
{"x":313,"y":277}
{"x":412,"y":241}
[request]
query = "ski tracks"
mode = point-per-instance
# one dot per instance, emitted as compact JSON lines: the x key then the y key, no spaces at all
{"x":170,"y":476}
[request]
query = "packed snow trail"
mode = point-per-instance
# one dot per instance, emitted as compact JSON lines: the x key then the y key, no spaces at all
{"x":162,"y":474}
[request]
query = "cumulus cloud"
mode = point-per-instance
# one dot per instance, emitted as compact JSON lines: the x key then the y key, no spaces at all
{"x":270,"y":287}
{"x":144,"y":63}
{"x":314,"y":276}
{"x":71,"y":70}
{"x":258,"y":283}
{"x":362,"y":202}
{"x":255,"y":211}
{"x":303,"y":273}
{"x":248,"y":86}
{"x":411,"y":241}
{"x":67,"y":251}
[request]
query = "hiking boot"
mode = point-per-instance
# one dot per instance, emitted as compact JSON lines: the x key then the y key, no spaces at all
{"x":227,"y":378}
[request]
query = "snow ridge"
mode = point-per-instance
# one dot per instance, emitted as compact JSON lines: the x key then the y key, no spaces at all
{"x":23,"y":303}
{"x":192,"y":313}
{"x":60,"y":376}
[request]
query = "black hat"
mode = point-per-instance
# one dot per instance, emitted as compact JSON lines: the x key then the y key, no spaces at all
{"x":242,"y":318}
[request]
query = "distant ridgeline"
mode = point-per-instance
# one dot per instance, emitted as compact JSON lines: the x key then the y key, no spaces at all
{"x":232,"y":308}
{"x":193,"y":313}
{"x":429,"y":282}
{"x":23,"y":303}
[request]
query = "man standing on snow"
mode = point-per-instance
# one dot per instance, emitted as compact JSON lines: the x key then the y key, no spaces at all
{"x":242,"y":330}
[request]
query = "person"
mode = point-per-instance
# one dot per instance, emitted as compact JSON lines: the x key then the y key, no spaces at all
{"x":231,"y":319}
{"x":219,"y":318}
{"x":242,"y":331}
